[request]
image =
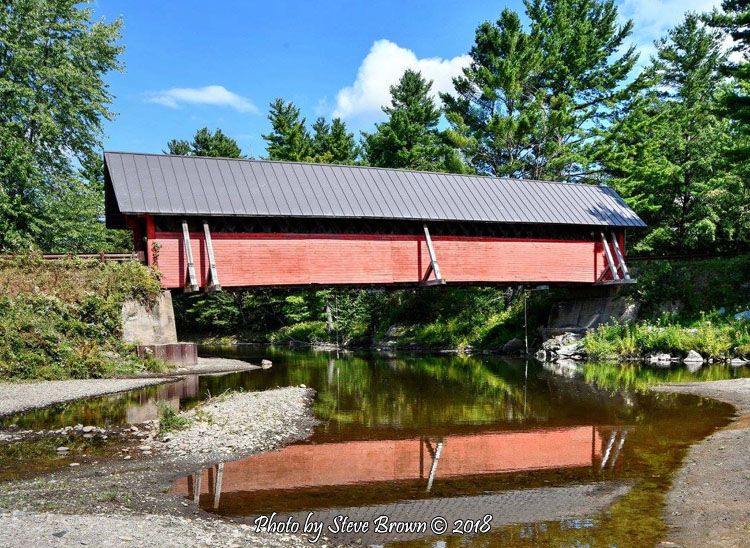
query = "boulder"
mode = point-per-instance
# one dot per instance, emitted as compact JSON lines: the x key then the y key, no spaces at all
{"x":693,"y":357}
{"x":738,"y":362}
{"x":266,"y":364}
{"x":514,"y":346}
{"x":561,"y":340}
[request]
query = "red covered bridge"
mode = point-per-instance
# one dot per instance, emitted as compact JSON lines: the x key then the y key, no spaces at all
{"x":212,"y":222}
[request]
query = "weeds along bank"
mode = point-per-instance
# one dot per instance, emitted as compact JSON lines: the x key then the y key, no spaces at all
{"x":62,"y":319}
{"x":689,"y":305}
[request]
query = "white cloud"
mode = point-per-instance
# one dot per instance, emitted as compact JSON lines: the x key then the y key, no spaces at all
{"x":208,"y":95}
{"x":653,"y":18}
{"x":381,"y":68}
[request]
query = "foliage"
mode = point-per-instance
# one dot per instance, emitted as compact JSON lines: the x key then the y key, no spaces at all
{"x":303,"y":333}
{"x":53,"y":100}
{"x":735,"y":20}
{"x":170,"y":420}
{"x":692,"y":288}
{"x":712,"y":340}
{"x":62,"y":319}
{"x":205,"y":143}
{"x":289,"y":138}
{"x":532,"y":101}
{"x":410,"y":139}
{"x":332,"y":143}
{"x":447,"y":318}
{"x":667,"y":154}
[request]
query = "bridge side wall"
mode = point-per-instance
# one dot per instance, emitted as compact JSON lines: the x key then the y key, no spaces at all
{"x":302,"y":259}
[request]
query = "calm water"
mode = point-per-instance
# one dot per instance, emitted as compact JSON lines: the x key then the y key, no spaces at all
{"x":558,"y":456}
{"x":413,"y":437}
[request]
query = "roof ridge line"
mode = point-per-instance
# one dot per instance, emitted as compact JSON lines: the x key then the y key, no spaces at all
{"x":356,"y":166}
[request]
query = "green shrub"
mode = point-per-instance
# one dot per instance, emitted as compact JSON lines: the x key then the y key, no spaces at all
{"x":170,"y":420}
{"x":304,"y":333}
{"x":62,"y":319}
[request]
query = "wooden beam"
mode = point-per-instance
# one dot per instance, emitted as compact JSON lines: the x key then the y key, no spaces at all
{"x":213,"y":283}
{"x":192,"y":284}
{"x":610,"y":262}
{"x":620,"y":258}
{"x":433,"y":261}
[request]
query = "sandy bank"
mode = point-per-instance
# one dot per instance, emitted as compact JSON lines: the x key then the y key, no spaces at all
{"x":709,"y":502}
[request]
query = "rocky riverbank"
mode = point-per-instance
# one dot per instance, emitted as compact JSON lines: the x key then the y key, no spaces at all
{"x":708,"y":504}
{"x":119,"y":495}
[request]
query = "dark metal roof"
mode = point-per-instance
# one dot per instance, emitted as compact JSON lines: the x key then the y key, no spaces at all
{"x":189,"y":185}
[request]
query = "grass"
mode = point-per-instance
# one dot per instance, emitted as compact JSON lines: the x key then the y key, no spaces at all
{"x":62,"y":319}
{"x":710,"y":338}
{"x":170,"y":420}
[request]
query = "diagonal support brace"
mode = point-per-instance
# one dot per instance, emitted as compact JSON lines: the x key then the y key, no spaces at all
{"x":610,"y":261}
{"x":213,"y":283}
{"x":192,"y":283}
{"x":433,"y":262}
{"x":620,"y":258}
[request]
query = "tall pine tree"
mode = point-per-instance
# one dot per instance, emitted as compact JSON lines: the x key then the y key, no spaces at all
{"x":205,"y":143}
{"x":735,"y":20}
{"x":667,"y":154}
{"x":332,"y":143}
{"x":410,"y":138}
{"x":289,"y":138}
{"x":532,"y":101}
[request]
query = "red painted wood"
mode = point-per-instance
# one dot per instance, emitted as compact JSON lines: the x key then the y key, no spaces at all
{"x":150,"y":238}
{"x":301,"y":259}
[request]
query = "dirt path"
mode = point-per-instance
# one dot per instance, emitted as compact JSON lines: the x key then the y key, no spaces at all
{"x":709,"y":502}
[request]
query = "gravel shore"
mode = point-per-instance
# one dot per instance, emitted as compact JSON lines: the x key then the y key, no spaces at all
{"x":126,"y":495}
{"x":240,"y":423}
{"x":22,"y":396}
{"x":708,"y":504}
{"x":21,"y":530}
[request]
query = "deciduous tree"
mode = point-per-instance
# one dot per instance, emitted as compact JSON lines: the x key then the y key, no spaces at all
{"x":53,"y":101}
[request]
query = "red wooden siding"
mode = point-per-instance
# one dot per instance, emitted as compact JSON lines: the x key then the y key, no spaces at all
{"x":301,"y":259}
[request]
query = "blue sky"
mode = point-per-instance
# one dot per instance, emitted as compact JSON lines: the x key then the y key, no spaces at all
{"x":191,"y":64}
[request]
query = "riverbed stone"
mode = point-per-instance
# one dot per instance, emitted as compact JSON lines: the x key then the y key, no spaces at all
{"x":266,"y":364}
{"x":693,"y":357}
{"x":514,"y":346}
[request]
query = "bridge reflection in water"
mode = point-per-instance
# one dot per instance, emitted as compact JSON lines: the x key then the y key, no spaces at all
{"x":393,"y":475}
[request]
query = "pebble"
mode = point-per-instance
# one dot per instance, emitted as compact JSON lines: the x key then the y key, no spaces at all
{"x":87,"y":429}
{"x":72,"y":464}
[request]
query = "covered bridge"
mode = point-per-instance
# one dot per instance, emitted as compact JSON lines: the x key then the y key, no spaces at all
{"x":211,"y":222}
